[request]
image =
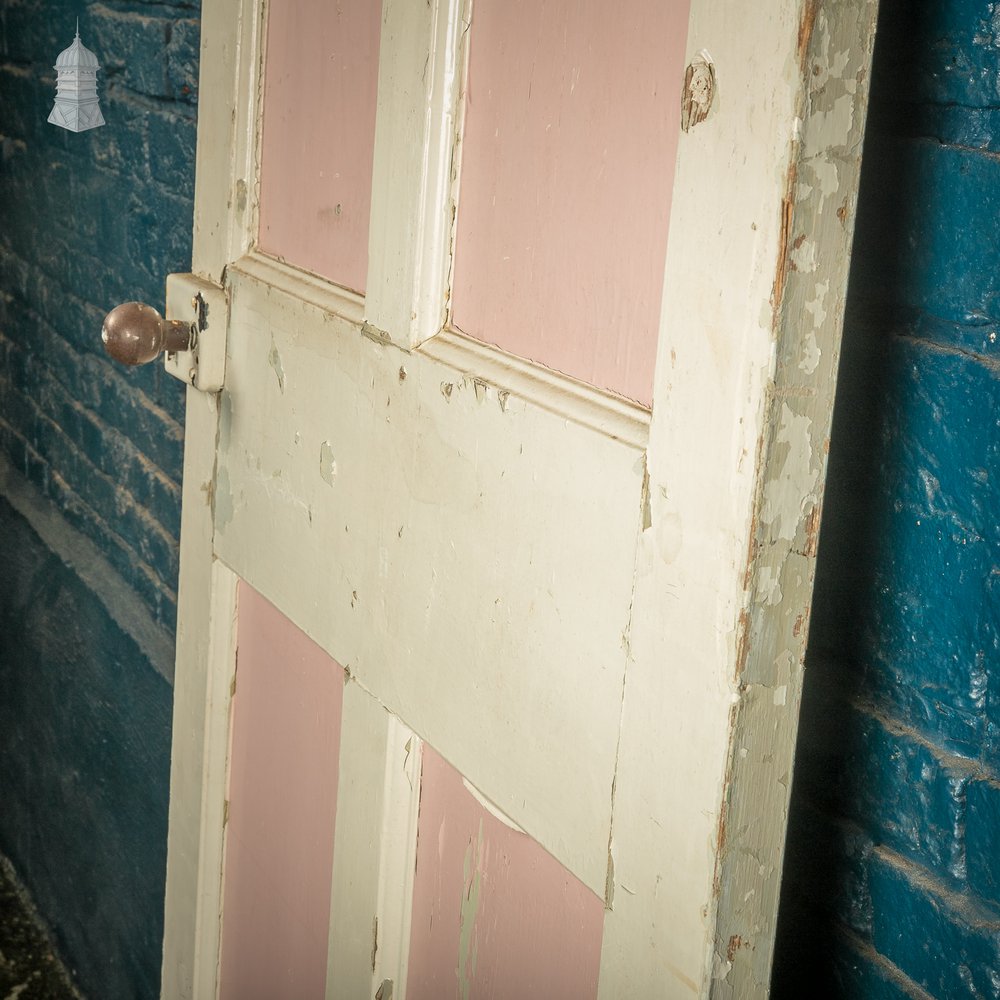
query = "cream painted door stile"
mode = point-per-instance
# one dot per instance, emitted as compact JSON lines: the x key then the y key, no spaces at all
{"x":595,"y":611}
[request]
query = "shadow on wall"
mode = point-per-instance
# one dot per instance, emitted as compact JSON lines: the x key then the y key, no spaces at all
{"x":892,"y":887}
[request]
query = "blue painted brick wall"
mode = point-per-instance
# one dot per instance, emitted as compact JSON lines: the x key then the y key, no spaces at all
{"x":88,"y":221}
{"x":895,"y":822}
{"x":91,"y":220}
{"x":84,"y":766}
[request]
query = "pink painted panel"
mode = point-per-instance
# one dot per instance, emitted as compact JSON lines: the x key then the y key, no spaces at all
{"x":494,"y":915}
{"x":318,"y":136}
{"x":571,"y":130}
{"x":282,"y":808}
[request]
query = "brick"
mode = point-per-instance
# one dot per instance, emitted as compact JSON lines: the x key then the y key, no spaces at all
{"x":132,"y":49}
{"x":121,"y":148}
{"x":160,"y":227}
{"x":113,"y":453}
{"x":924,"y":644}
{"x":979,"y":339}
{"x":174,"y":137}
{"x":983,"y":839}
{"x":950,"y":124}
{"x":946,"y":943}
{"x":945,"y":52}
{"x":900,"y":790}
{"x":105,"y":496}
{"x":24,"y":102}
{"x":861,"y":972}
{"x":13,"y":275}
{"x":939,"y":436}
{"x":149,"y":588}
{"x":87,"y":720}
{"x":826,"y":868}
{"x":930,"y":243}
{"x":182,"y":60}
{"x":114,"y":394}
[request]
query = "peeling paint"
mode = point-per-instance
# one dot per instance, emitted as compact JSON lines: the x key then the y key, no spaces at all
{"x":811,"y":354}
{"x":274,"y":360}
{"x":833,"y":55}
{"x":327,"y":463}
{"x":816,"y":307}
{"x":735,"y":943}
{"x":833,"y":127}
{"x":374,"y":333}
{"x":223,"y":498}
{"x":796,"y":478}
{"x":468,"y":948}
{"x":785,"y":236}
{"x":806,"y":26}
{"x":699,"y":91}
{"x":812,"y":529}
{"x":647,"y":513}
{"x":495,"y":811}
{"x":803,"y":255}
{"x":826,"y":174}
{"x":769,"y":585}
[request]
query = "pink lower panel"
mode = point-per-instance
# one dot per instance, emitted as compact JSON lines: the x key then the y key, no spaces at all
{"x":282,"y":809}
{"x":494,"y":915}
{"x":571,"y":128}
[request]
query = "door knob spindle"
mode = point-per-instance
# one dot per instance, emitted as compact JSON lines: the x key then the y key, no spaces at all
{"x":134,"y":334}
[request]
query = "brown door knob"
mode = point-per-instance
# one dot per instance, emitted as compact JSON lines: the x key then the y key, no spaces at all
{"x":134,"y":333}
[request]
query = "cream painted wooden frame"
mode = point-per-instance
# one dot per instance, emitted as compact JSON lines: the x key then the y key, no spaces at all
{"x":639,"y":587}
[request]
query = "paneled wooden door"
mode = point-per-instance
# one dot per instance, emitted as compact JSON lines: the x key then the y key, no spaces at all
{"x":524,"y":424}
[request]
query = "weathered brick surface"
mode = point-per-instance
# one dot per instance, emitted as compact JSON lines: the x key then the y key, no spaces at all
{"x":900,"y":732}
{"x":921,"y":260}
{"x":88,"y":221}
{"x":866,"y":975}
{"x":897,"y":786}
{"x":91,"y":220}
{"x":945,"y":942}
{"x":983,"y":826}
{"x":84,"y":743}
{"x":940,"y":53}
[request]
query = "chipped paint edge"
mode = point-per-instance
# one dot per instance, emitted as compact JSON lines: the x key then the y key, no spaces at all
{"x":584,"y":404}
{"x":791,"y":471}
{"x":560,"y":394}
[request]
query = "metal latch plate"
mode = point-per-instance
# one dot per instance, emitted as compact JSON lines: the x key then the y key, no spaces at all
{"x":194,"y":300}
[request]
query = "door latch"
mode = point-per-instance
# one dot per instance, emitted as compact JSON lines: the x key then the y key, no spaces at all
{"x":192,"y":338}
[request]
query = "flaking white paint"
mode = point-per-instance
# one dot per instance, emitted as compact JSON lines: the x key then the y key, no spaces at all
{"x":835,"y":125}
{"x":816,"y":307}
{"x":786,"y":495}
{"x":811,"y":354}
{"x":803,"y":255}
{"x":826,"y":174}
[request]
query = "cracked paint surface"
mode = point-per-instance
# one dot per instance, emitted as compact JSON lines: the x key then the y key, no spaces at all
{"x":833,"y":59}
{"x":493,"y":913}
